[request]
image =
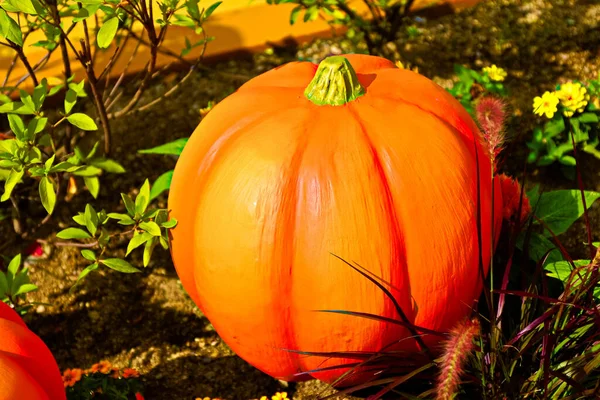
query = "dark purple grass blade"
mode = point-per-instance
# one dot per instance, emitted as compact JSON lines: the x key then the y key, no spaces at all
{"x":512,"y":246}
{"x":534,"y":324}
{"x":582,"y":191}
{"x":479,"y":229}
{"x":546,"y":299}
{"x":393,"y":300}
{"x":382,"y":319}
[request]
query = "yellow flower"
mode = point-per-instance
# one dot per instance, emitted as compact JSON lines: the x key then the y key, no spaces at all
{"x":547,"y":104}
{"x":573,"y":98}
{"x":495,"y":73}
{"x":279,"y":396}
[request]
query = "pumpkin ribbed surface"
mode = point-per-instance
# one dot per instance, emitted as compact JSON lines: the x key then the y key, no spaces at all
{"x":28,"y":370}
{"x":270,"y":185}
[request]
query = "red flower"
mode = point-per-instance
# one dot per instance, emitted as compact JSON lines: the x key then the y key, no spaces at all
{"x":511,"y":198}
{"x":35,"y":250}
{"x":138,"y":396}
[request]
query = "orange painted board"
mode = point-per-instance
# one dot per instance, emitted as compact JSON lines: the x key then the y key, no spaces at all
{"x":237,"y":25}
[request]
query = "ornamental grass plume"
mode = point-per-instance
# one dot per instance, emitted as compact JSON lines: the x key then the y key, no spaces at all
{"x":457,"y":349}
{"x":491,"y":113}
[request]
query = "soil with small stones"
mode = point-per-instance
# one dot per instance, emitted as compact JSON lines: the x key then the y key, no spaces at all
{"x":146,"y":321}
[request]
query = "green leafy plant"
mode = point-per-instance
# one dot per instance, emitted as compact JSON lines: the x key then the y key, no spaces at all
{"x":147,"y":227}
{"x":50,"y":150}
{"x":573,"y":118}
{"x":472,"y":85}
{"x":15,"y":284}
{"x":163,"y":182}
{"x":376,"y":30}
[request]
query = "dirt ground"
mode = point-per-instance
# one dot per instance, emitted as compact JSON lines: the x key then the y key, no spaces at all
{"x":146,"y":321}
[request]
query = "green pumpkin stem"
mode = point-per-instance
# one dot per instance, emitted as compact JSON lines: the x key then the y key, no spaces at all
{"x":334,"y":84}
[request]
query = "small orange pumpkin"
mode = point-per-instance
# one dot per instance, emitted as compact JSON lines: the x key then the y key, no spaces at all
{"x":28,"y":370}
{"x":354,"y":157}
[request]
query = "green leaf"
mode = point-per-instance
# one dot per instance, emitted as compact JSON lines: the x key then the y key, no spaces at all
{"x":161,"y":184}
{"x":119,"y":265}
{"x":16,"y":125}
{"x":27,"y":99}
{"x":143,"y":198}
{"x":107,"y":32}
{"x":24,"y":289}
{"x":561,"y":208}
{"x":86,"y":271}
{"x":148,"y":249}
{"x":137,"y":240}
{"x":25,"y":6}
{"x":151,"y":227}
{"x":123,"y":219}
{"x":62,"y":166}
{"x":93,"y":185}
{"x":49,"y":162}
{"x":70,"y":100}
{"x":129,"y":205}
{"x":172,"y":148}
{"x":82,"y":121}
{"x":47,"y":194}
{"x":73,"y":233}
{"x":14,"y":177}
{"x":104,"y":238}
{"x":538,"y":247}
{"x":39,"y":94}
{"x":80,"y":219}
{"x":294,"y":14}
{"x":211,"y":9}
{"x":10,"y":30}
{"x":562,"y":269}
{"x":88,"y":254}
{"x":554,"y":127}
{"x":311,"y":14}
{"x":568,"y":160}
{"x":35,"y":126}
{"x":588,"y":117}
{"x":87,"y":170}
{"x":3,"y":286}
{"x":172,"y":223}
{"x":14,"y":264}
{"x":91,"y":219}
{"x":107,"y":165}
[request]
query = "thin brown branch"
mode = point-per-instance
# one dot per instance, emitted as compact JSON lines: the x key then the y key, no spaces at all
{"x":26,"y":63}
{"x":10,"y":69}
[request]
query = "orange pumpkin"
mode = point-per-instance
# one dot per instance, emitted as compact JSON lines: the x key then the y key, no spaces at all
{"x":355,"y":158}
{"x":28,"y":370}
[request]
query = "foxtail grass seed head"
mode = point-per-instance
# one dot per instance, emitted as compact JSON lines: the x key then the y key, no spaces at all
{"x":491,"y":113}
{"x":456,"y":351}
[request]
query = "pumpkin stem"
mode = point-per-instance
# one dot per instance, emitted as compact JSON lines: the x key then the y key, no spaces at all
{"x":334,"y":84}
